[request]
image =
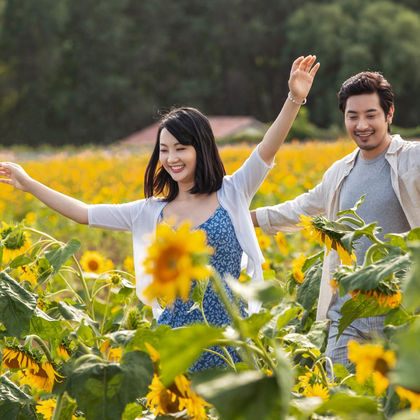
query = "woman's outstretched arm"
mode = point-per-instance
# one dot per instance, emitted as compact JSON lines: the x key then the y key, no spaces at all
{"x":301,"y":77}
{"x":13,"y":174}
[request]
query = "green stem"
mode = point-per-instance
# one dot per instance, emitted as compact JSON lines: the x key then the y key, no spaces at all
{"x":221,"y":356}
{"x":71,"y":288}
{"x":106,"y":309}
{"x":58,"y":407}
{"x":267,"y":357}
{"x":85,"y":288}
{"x":358,"y":222}
{"x":234,"y":315}
{"x":45,"y":349}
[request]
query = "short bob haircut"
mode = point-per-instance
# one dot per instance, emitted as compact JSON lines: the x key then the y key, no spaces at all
{"x":190,"y":127}
{"x":367,"y":82}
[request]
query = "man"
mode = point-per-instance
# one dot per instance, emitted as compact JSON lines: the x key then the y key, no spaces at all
{"x":384,"y":167}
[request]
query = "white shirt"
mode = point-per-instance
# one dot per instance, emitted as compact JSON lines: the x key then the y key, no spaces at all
{"x":404,"y":159}
{"x":141,"y":217}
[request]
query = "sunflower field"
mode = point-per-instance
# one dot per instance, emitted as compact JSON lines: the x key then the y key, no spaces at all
{"x":77,"y":343}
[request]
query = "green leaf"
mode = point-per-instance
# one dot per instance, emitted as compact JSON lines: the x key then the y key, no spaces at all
{"x":180,"y":347}
{"x":406,"y":415}
{"x":252,"y":325}
{"x":144,"y":335}
{"x":413,"y":235}
{"x":17,"y":306}
{"x":397,"y":316}
{"x":347,"y":404}
{"x":411,"y":285}
{"x":71,"y":313}
{"x":318,"y":333}
{"x":121,"y":338}
{"x":407,"y":369}
{"x":308,"y":291}
{"x":367,"y":278}
{"x":269,"y":292}
{"x":290,"y":312}
{"x":244,"y":396}
{"x":199,"y":291}
{"x":310,"y":261}
{"x":103,"y":389}
{"x":61,"y":253}
{"x":46,"y":327}
{"x":360,"y":308}
{"x":132,"y":411}
{"x":14,"y":403}
{"x":19,"y":261}
{"x":397,"y":239}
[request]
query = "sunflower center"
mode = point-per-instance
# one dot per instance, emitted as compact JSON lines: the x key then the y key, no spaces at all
{"x":93,"y":265}
{"x":381,"y":366}
{"x":167,"y":264}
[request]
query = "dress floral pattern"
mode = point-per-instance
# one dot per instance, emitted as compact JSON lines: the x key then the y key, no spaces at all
{"x":225,"y":260}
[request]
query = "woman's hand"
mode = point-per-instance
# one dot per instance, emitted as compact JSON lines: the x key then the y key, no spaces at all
{"x":14,"y":175}
{"x":301,"y":77}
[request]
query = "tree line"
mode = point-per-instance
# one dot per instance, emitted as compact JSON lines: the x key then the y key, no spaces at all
{"x":94,"y":71}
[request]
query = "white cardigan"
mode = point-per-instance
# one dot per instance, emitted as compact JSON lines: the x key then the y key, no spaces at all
{"x":141,"y":217}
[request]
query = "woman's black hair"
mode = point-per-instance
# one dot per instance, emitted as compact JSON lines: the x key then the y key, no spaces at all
{"x":190,"y":127}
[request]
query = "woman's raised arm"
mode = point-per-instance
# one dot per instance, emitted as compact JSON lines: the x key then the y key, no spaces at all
{"x":13,"y":174}
{"x":301,"y":77}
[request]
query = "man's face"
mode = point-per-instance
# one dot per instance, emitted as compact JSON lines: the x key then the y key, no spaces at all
{"x":367,"y":124}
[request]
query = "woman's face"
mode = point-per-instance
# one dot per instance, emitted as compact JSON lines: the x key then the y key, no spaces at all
{"x":179,"y":160}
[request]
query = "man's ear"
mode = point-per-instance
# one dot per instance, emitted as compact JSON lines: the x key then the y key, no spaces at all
{"x":390,"y":115}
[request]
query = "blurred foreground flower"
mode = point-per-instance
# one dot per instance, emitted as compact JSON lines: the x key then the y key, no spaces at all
{"x":372,"y":361}
{"x":412,"y":397}
{"x":175,"y":259}
{"x":318,"y":228}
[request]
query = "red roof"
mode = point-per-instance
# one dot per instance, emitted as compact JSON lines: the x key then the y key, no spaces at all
{"x":221,"y":126}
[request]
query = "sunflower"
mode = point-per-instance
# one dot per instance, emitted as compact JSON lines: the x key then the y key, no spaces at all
{"x":317,"y":229}
{"x":372,"y":361}
{"x":46,"y":408}
{"x":129,"y":264}
{"x":93,"y":262}
{"x":175,"y":259}
{"x":63,"y":352}
{"x":29,"y":274}
{"x":175,"y":398}
{"x":18,"y":358}
{"x":263,"y":239}
{"x":412,"y":397}
{"x":297,"y":265}
{"x":15,"y":242}
{"x":34,"y":373}
{"x":317,"y":390}
{"x":42,"y":378}
{"x":391,"y":301}
{"x":281,"y":242}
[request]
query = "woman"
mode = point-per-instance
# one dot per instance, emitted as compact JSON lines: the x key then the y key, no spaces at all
{"x":186,"y":167}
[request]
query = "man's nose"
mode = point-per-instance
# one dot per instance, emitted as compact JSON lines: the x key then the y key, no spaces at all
{"x":362,"y":123}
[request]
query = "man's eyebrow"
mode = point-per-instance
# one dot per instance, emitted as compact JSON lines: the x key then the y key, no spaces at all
{"x":368,"y":110}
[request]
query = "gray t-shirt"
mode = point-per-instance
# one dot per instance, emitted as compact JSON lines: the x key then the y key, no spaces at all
{"x":372,"y":178}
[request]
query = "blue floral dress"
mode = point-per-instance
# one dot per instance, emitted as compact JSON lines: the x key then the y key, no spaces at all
{"x":226,"y":260}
